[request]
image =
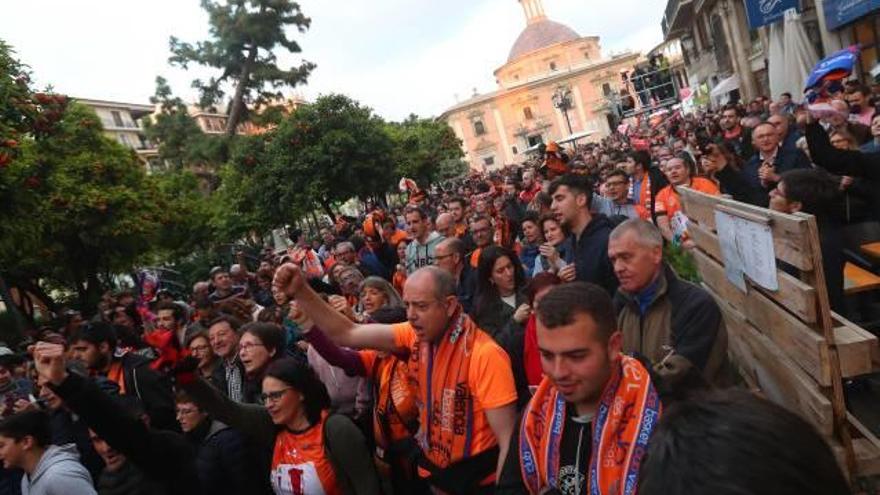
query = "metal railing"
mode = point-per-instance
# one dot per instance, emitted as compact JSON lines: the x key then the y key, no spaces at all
{"x":645,"y":92}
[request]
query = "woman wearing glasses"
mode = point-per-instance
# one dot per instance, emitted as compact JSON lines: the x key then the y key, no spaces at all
{"x":312,"y":450}
{"x":199,"y":346}
{"x":260,"y":344}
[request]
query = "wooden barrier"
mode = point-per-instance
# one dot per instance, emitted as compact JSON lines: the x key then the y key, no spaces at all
{"x":786,"y":343}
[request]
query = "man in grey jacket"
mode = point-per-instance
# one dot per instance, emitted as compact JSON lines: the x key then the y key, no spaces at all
{"x":420,"y":252}
{"x":48,"y":469}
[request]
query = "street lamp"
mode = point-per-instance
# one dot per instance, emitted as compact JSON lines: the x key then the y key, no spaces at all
{"x":562,"y":101}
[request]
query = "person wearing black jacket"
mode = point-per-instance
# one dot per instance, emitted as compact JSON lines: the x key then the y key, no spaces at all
{"x":511,"y":207}
{"x":845,"y":162}
{"x":813,"y":192}
{"x":163,"y":456}
{"x":220,"y":451}
{"x":500,"y":286}
{"x":450,"y":255}
{"x":572,"y":196}
{"x":721,"y":163}
{"x":94,"y":344}
{"x":761,"y":172}
{"x":69,"y":428}
{"x":661,"y":317}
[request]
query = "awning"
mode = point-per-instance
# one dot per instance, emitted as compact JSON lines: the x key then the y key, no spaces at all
{"x":725,"y":86}
{"x":575,"y":137}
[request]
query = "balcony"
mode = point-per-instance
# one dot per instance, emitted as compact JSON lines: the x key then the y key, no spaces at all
{"x":111,"y":125}
{"x":677,"y":18}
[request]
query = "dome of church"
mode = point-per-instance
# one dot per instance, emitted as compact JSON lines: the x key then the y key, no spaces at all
{"x":539,"y":35}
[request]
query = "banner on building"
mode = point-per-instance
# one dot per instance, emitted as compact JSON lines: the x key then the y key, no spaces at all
{"x":763,"y":12}
{"x":840,"y":12}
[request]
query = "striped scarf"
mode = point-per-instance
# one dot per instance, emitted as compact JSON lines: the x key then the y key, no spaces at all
{"x":627,"y":413}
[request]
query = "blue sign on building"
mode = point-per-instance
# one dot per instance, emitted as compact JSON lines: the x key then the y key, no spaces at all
{"x":840,"y":12}
{"x":763,"y":12}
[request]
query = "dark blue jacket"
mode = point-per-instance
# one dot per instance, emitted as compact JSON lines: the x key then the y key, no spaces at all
{"x":786,"y":159}
{"x":528,"y":255}
{"x":589,"y":253}
{"x":467,"y":285}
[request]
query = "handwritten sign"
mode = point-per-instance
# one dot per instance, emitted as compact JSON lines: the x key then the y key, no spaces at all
{"x":747,"y":249}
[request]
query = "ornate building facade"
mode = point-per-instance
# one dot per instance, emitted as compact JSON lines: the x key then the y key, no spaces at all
{"x":554,"y":83}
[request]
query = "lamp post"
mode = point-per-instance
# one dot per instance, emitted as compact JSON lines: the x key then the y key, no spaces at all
{"x":562,"y":101}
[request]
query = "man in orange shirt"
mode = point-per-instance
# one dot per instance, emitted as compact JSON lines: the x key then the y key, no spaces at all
{"x":466,"y":392}
{"x":670,"y":219}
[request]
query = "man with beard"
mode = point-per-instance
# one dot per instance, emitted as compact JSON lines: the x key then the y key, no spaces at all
{"x":588,"y":423}
{"x":483,"y":234}
{"x":735,"y":136}
{"x":530,"y":188}
{"x":94,"y":345}
{"x":458,"y":208}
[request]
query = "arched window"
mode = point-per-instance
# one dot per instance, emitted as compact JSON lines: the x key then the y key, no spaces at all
{"x":552,"y":65}
{"x":479,"y":128}
{"x":527,"y":113}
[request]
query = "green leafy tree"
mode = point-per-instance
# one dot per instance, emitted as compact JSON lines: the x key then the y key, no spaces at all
{"x":426,"y":150}
{"x":25,"y":116}
{"x":89,"y":208}
{"x":244,"y":35}
{"x":239,"y":205}
{"x":187,"y":219}
{"x":322,"y":154}
{"x":180,"y":139}
{"x":335,"y":149}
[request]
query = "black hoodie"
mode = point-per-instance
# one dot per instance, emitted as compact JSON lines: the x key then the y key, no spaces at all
{"x":589,"y":253}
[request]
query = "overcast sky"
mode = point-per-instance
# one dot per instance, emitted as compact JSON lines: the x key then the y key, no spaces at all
{"x":397,"y":56}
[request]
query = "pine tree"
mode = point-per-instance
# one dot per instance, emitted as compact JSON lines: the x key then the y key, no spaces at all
{"x":243,"y":37}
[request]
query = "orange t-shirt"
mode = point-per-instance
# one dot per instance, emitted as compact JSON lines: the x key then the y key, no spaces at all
{"x":459,"y":395}
{"x":669,"y":203}
{"x":300,"y":465}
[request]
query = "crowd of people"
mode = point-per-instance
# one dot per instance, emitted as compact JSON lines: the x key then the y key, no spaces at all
{"x":509,"y":332}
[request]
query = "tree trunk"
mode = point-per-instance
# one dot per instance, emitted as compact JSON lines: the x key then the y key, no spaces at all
{"x":93,"y":290}
{"x":15,"y":333}
{"x":317,"y":223}
{"x":325,"y":205}
{"x":237,"y":109}
{"x":36,"y":290}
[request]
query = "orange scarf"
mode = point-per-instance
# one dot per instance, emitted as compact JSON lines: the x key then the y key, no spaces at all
{"x":627,"y":414}
{"x":444,"y":370}
{"x":475,"y":257}
{"x":116,"y":374}
{"x":394,"y":411}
